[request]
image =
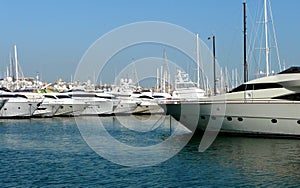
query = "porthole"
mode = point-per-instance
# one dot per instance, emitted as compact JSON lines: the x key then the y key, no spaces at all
{"x":240,"y":119}
{"x":19,"y":107}
{"x":5,"y":109}
{"x":202,"y":117}
{"x":298,"y":121}
{"x":274,"y":120}
{"x":229,"y":118}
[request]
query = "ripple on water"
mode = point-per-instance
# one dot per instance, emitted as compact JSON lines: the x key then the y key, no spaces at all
{"x":51,"y":152}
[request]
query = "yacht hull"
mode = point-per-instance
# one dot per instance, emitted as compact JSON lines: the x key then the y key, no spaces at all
{"x":70,"y":109}
{"x":18,"y":109}
{"x":46,"y":110}
{"x":125,"y":106}
{"x":104,"y":107}
{"x":256,"y":118}
{"x":148,"y":107}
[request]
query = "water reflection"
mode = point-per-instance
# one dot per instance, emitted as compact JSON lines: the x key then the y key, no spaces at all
{"x":260,"y":160}
{"x":52,"y":150}
{"x":133,"y":141}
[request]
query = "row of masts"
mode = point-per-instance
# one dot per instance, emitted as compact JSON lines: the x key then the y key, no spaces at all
{"x":13,"y":70}
{"x":246,"y":67}
{"x":163,"y":73}
{"x":266,"y":41}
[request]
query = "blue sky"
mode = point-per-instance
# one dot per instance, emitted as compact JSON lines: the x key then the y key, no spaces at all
{"x":52,"y":35}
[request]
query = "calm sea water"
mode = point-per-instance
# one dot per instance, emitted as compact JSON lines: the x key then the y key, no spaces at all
{"x":52,"y":153}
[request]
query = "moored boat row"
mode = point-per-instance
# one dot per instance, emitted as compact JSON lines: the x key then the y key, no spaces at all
{"x":73,"y":103}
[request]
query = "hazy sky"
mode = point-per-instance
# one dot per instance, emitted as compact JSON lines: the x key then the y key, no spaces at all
{"x":52,"y":35}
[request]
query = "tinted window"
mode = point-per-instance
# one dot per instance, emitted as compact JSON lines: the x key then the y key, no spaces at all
{"x":145,"y":97}
{"x":63,"y":96}
{"x":49,"y":96}
{"x":83,"y":95}
{"x":245,"y":87}
{"x":22,"y":96}
{"x":290,"y":97}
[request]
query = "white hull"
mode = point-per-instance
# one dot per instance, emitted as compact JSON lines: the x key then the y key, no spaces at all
{"x":70,"y":109}
{"x":18,"y":109}
{"x":257,"y":118}
{"x":98,"y":108}
{"x":188,"y":94}
{"x":125,"y":106}
{"x":148,"y":107}
{"x":263,"y":118}
{"x":46,"y":110}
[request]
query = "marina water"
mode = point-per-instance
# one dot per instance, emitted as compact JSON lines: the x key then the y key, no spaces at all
{"x":51,"y":152}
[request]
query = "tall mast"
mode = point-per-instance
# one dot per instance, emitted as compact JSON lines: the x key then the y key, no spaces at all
{"x":157,"y":79}
{"x":166,"y":82}
{"x":16,"y":63}
{"x":198,"y":63}
{"x":245,"y":46}
{"x":7,"y":72}
{"x":214,"y":65}
{"x":161,"y":79}
{"x":266,"y":37}
{"x":10,"y":72}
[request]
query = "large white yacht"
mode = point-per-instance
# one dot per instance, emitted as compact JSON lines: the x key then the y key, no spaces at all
{"x":18,"y":105}
{"x":125,"y":105}
{"x":264,"y":106}
{"x":67,"y":105}
{"x":49,"y":106}
{"x":147,"y":105}
{"x":185,"y":89}
{"x":96,"y":105}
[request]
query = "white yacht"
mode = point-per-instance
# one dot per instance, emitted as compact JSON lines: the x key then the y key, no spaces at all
{"x":48,"y":107}
{"x":141,"y":102}
{"x":18,"y":105}
{"x":125,"y":105}
{"x":147,"y":105}
{"x":122,"y":104}
{"x":264,"y":106}
{"x":67,"y":105}
{"x":96,"y":105}
{"x":185,"y":89}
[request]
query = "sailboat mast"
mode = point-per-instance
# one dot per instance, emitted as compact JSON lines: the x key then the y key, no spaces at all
{"x":266,"y":37}
{"x":214,"y":65}
{"x":161,"y":79}
{"x":10,"y":73}
{"x":16,"y":63}
{"x":198,"y":63}
{"x":157,"y":79}
{"x":245,"y":46}
{"x":7,"y":72}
